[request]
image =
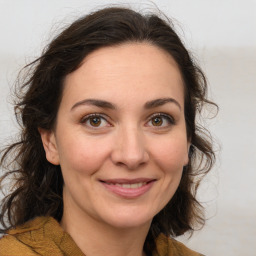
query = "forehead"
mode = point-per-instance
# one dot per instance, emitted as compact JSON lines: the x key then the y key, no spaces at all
{"x":125,"y":71}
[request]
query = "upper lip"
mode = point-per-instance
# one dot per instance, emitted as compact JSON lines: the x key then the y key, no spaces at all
{"x":127,"y":181}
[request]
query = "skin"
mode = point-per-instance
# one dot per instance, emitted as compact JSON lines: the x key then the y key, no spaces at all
{"x":129,"y":138}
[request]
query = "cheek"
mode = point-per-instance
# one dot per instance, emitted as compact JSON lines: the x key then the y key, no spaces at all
{"x":171,"y":155}
{"x":83,"y":156}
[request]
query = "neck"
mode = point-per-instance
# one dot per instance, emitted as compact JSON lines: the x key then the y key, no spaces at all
{"x":96,"y":238}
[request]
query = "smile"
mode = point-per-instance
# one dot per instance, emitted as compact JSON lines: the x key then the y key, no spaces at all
{"x":133,"y":185}
{"x":128,"y":188}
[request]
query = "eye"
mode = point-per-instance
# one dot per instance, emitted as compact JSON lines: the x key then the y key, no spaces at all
{"x":160,"y":120}
{"x":95,"y":121}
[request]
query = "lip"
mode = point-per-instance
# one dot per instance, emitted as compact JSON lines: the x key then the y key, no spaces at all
{"x":115,"y":186}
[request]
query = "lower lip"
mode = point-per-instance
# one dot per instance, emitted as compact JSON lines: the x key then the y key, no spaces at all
{"x":128,"y":192}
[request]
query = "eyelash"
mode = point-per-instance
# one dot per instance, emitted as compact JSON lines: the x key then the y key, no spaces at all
{"x":95,"y":115}
{"x":167,"y":117}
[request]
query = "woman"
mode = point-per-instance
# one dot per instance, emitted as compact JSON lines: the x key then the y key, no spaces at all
{"x":110,"y":155}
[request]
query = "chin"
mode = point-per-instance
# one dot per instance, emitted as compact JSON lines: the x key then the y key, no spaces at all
{"x":129,"y":219}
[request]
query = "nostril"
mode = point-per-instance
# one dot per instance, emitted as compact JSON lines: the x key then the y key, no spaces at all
{"x":130,"y":150}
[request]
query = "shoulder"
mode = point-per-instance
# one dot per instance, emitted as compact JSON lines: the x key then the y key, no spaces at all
{"x":166,"y":246}
{"x":30,"y":239}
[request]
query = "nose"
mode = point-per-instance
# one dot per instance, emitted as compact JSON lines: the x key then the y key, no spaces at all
{"x":130,"y":149}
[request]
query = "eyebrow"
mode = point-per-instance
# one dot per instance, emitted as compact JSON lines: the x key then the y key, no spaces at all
{"x":160,"y":102}
{"x":108,"y":105}
{"x":95,"y":102}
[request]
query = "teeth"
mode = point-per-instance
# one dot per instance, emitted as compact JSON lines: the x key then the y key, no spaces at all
{"x":126,"y":185}
{"x":137,"y":185}
{"x":134,"y":185}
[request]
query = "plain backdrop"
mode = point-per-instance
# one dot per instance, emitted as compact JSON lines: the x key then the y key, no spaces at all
{"x":221,"y":34}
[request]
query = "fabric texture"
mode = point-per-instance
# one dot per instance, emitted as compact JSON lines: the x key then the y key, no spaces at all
{"x":43,"y":236}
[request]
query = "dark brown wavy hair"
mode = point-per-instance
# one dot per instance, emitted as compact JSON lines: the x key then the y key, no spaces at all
{"x":37,"y":184}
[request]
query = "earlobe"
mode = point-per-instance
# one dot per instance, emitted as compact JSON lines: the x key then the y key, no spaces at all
{"x":188,"y":153}
{"x":50,"y":146}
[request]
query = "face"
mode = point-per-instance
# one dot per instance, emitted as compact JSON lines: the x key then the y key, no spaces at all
{"x":120,"y":135}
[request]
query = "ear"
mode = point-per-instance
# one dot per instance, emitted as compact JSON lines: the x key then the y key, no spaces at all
{"x":188,"y":153}
{"x":50,"y":146}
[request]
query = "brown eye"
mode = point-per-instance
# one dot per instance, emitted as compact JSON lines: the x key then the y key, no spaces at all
{"x":161,"y":120}
{"x":157,"y":121}
{"x":95,"y":121}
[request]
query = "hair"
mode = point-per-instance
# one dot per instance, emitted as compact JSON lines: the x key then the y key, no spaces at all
{"x":37,"y":184}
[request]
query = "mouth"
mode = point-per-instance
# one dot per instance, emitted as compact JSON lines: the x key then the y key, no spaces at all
{"x":128,"y":188}
{"x":133,"y":185}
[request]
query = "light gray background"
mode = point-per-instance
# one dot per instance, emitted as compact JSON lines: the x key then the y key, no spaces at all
{"x":222,"y":35}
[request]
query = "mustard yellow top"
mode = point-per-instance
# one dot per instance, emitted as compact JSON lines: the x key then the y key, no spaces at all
{"x":43,"y":236}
